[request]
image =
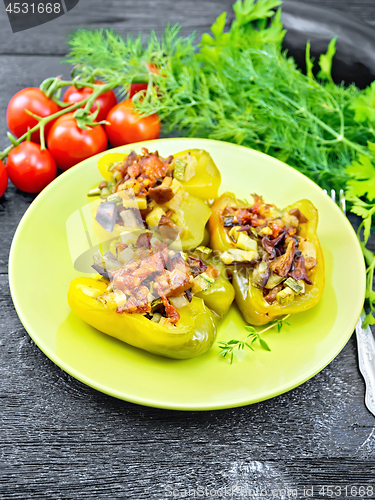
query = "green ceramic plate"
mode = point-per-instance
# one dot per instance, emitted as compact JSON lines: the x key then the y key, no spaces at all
{"x":41,"y":270}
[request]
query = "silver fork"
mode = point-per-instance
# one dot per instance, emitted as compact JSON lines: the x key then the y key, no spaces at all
{"x":365,"y":338}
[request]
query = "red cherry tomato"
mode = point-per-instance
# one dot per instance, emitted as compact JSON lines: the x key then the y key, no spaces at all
{"x":30,"y":168}
{"x":3,"y":179}
{"x":138,"y":87}
{"x":35,"y":101}
{"x":106,"y":101}
{"x":69,"y":144}
{"x":126,"y":125}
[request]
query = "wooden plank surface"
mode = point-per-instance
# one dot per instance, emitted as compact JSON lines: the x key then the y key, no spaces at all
{"x":123,"y":16}
{"x":126,"y":17}
{"x":63,"y":440}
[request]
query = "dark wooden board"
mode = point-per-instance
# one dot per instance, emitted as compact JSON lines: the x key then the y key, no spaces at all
{"x":121,"y":15}
{"x":126,"y":16}
{"x":17,"y":72}
{"x":63,"y":440}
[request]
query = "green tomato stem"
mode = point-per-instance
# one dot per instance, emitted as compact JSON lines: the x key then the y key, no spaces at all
{"x":97,"y":91}
{"x":42,"y":139}
{"x":50,"y":86}
{"x":42,"y":122}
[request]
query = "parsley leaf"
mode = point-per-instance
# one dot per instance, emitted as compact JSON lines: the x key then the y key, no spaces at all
{"x":249,"y":10}
{"x":309,"y":62}
{"x":369,"y":320}
{"x":217,"y":29}
{"x":365,"y":211}
{"x":364,"y":105}
{"x":325,"y":61}
{"x":362,"y":173}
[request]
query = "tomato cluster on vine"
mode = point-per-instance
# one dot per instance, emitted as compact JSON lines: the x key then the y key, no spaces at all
{"x":65,"y":139}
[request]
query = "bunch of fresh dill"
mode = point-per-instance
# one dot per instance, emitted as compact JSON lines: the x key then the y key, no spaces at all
{"x":238,"y":85}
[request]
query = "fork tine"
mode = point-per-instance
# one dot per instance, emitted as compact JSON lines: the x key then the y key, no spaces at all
{"x":342,"y":201}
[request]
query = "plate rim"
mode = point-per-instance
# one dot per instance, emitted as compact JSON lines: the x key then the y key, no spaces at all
{"x":227,"y":404}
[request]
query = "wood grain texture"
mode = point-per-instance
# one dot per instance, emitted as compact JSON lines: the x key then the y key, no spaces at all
{"x":14,"y":77}
{"x":124,"y":16}
{"x":63,"y":440}
{"x":129,"y":17}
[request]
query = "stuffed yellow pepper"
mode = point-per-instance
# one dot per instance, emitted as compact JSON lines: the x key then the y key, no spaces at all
{"x":275,"y":256}
{"x":147,"y":295}
{"x":147,"y":191}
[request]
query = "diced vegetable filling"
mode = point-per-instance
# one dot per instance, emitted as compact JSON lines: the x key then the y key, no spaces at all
{"x":144,"y":184}
{"x":148,"y":278}
{"x":268,"y":240}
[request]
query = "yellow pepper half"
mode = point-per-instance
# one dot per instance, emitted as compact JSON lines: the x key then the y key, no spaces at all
{"x":249,"y":298}
{"x":193,"y":334}
{"x":219,"y":237}
{"x":199,"y":177}
{"x":192,"y":216}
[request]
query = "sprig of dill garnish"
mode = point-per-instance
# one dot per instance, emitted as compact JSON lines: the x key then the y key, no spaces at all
{"x":253,"y":336}
{"x":238,"y":84}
